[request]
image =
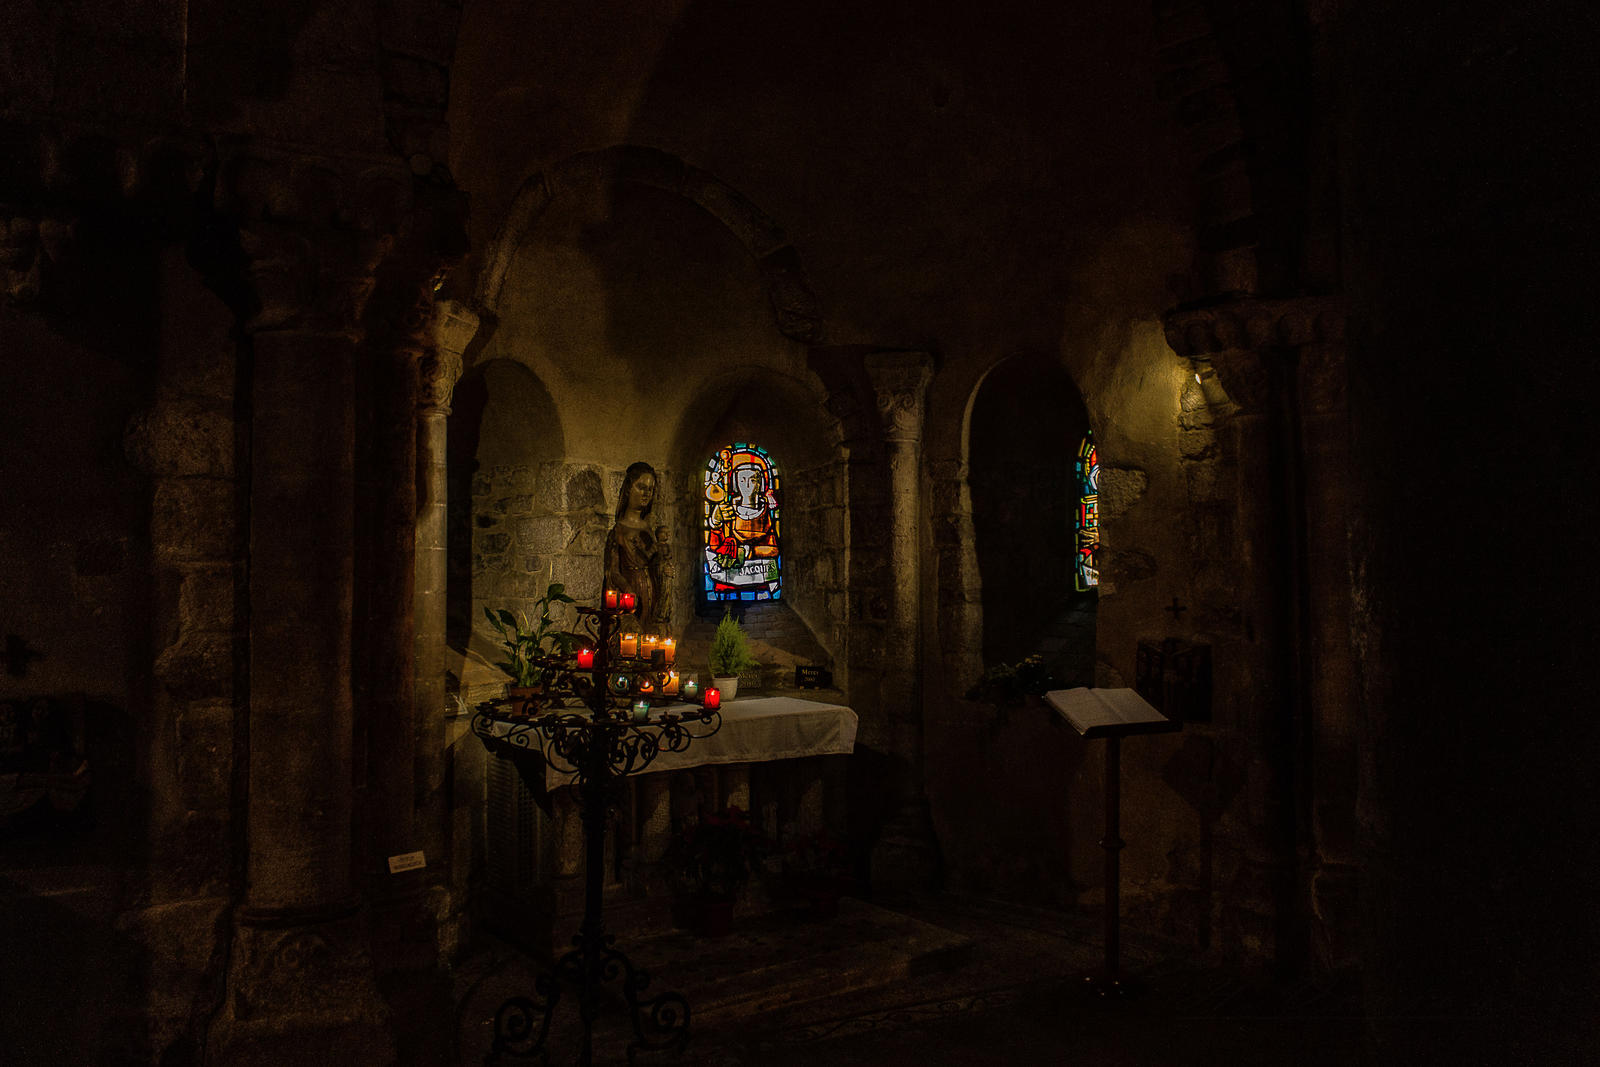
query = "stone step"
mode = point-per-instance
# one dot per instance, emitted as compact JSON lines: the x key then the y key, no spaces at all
{"x":771,"y":963}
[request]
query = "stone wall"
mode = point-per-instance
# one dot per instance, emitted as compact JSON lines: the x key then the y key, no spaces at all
{"x":535,"y":525}
{"x":128,"y":491}
{"x":817,"y":556}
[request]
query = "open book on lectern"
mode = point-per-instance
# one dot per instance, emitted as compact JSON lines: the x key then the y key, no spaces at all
{"x":1109,"y":712}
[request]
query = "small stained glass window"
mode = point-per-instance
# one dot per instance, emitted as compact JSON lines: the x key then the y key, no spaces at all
{"x":741,"y":506}
{"x":1088,"y":470}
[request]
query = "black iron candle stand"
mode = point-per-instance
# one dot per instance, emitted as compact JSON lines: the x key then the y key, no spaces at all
{"x":599,"y":747}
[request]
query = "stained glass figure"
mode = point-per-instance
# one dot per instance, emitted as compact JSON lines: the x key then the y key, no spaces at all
{"x":1088,"y":470}
{"x":742,"y":525}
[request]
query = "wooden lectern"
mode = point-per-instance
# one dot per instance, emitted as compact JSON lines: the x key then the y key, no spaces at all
{"x":1112,"y":714}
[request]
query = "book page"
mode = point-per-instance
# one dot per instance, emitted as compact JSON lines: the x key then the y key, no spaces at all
{"x":1107,"y":712}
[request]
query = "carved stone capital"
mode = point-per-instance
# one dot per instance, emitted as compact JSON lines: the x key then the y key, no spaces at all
{"x":30,"y":247}
{"x":1322,"y":379}
{"x":449,"y":331}
{"x":1243,"y":374}
{"x":900,"y":381}
{"x":438,"y":371}
{"x":1251,"y":323}
{"x":258,"y":182}
{"x":307,"y":279}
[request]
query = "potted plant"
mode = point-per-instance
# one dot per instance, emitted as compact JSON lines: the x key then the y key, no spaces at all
{"x":707,"y":863}
{"x":730,"y":656}
{"x":1008,"y":685}
{"x":535,"y":646}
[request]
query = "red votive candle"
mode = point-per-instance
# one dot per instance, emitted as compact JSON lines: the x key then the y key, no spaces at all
{"x":611,"y":599}
{"x":585,"y":658}
{"x":713,"y":699}
{"x":628,"y":601}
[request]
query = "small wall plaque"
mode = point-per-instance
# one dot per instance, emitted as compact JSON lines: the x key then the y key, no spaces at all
{"x":1175,"y":677}
{"x":406,"y":861}
{"x":813,"y":677}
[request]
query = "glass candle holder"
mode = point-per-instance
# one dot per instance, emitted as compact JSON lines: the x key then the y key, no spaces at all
{"x":713,"y":699}
{"x":641,"y":710}
{"x":585,"y":659}
{"x":691,"y":689}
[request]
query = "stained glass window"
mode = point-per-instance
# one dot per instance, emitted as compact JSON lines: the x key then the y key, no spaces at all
{"x":742,"y":517}
{"x":1088,"y":469}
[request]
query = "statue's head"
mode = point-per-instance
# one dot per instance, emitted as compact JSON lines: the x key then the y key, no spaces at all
{"x":638,"y":489}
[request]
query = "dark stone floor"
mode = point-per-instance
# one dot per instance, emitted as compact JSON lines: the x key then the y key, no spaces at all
{"x":948,"y":980}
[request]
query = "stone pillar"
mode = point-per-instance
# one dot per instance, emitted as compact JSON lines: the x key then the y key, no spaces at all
{"x":959,"y":612}
{"x":907,"y":854}
{"x":300,"y":983}
{"x":1280,"y":362}
{"x":1334,"y":736}
{"x":452,"y":330}
{"x":387,"y":509}
{"x":655,"y":815}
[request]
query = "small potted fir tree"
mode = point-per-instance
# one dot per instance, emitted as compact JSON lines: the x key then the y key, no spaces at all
{"x":730,"y":656}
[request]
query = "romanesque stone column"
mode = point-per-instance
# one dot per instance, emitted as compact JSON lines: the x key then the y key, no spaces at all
{"x":959,"y":611}
{"x":300,"y":983}
{"x":453,"y":328}
{"x":1280,"y":362}
{"x":907,"y":852}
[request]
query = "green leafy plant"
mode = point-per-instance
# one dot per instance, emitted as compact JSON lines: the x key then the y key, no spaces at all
{"x":730,"y":649}
{"x":534,"y":643}
{"x":714,"y":855}
{"x":1007,"y":685}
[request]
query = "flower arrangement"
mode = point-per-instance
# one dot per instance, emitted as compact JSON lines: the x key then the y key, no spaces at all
{"x":714,"y":855}
{"x":532,"y":646}
{"x":1006,"y":685}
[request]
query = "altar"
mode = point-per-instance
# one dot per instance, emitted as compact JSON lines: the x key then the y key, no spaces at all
{"x":780,"y":758}
{"x":754,"y":730}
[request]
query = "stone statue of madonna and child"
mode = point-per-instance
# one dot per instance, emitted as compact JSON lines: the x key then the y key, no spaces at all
{"x":638,"y":555}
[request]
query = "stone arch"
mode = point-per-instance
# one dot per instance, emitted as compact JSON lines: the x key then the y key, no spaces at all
{"x":787,"y":416}
{"x":505,"y":445}
{"x":1023,"y":423}
{"x":794,"y":306}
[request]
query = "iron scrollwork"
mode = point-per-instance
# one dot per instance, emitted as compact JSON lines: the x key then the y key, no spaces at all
{"x":581,"y":726}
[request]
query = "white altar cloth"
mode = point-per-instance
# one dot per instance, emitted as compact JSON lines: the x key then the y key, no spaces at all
{"x":755,"y":730}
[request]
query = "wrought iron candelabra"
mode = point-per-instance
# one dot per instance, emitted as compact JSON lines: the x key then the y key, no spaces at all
{"x":587,"y":724}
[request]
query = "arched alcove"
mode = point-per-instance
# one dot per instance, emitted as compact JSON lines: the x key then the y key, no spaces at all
{"x":785,"y":417}
{"x":1025,"y":426}
{"x":505,"y":438}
